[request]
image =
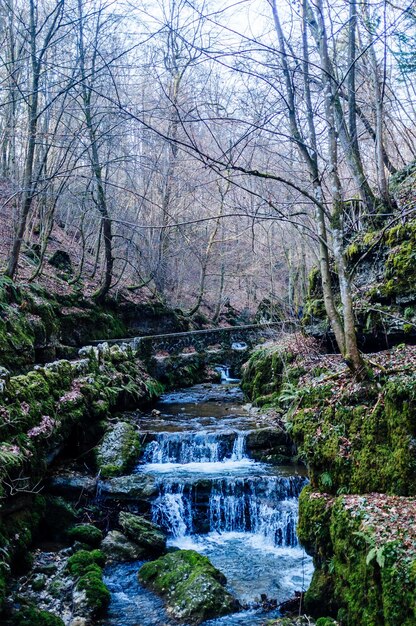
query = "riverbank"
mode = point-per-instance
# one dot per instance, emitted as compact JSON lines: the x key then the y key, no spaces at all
{"x":357,"y":439}
{"x":196,"y":479}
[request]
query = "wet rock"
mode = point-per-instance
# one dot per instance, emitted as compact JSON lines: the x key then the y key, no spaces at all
{"x":191,"y":586}
{"x":266,"y":439}
{"x":132,"y":487}
{"x":118,"y":451}
{"x":79,"y":621}
{"x":72,"y":484}
{"x":147,"y":535}
{"x":117,"y":547}
{"x":271,"y":445}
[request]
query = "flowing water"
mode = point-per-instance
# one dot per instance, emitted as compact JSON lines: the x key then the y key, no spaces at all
{"x":215,"y":499}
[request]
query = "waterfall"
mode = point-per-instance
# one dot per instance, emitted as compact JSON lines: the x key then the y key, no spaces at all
{"x":265,"y":506}
{"x":239,"y":447}
{"x":201,"y":447}
{"x":226,"y":377}
{"x":172,"y":510}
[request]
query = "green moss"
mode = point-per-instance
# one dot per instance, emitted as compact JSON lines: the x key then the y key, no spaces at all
{"x":118,"y":451}
{"x":86,"y":533}
{"x":97,"y":593}
{"x":265,"y":372}
{"x":85,"y":560}
{"x":313,"y":527}
{"x":400,"y":262}
{"x":353,"y":251}
{"x":362,"y":443}
{"x":31,"y":616}
{"x":192,"y":587}
{"x":318,"y":598}
{"x":364,"y":574}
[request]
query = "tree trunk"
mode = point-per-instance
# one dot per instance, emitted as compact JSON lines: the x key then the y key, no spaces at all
{"x":97,"y":170}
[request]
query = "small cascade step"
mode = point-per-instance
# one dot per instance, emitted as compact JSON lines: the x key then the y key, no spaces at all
{"x":200,"y":447}
{"x":266,"y":506}
{"x":209,"y":495}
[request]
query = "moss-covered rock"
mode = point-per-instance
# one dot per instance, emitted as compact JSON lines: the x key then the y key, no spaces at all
{"x":118,"y":450}
{"x":360,"y":440}
{"x":86,"y":533}
{"x":96,"y":591}
{"x":86,"y":567}
{"x":85,"y":560}
{"x":192,"y":588}
{"x":118,"y":548}
{"x":144,"y":533}
{"x":42,"y":409}
{"x":30,"y":616}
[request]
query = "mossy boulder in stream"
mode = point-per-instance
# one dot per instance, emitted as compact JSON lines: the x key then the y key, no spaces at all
{"x":118,"y":451}
{"x":147,"y":535}
{"x":86,"y":566}
{"x":191,"y":586}
{"x":118,"y":548}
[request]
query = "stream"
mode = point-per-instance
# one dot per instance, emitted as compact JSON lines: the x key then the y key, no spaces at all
{"x":213,"y":498}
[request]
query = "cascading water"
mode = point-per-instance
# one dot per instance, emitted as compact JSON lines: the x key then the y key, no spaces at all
{"x":214,"y":498}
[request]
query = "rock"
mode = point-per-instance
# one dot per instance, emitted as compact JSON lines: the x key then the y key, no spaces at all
{"x":118,"y":451}
{"x":78,"y":621}
{"x":39,"y":582}
{"x":147,"y":535}
{"x":264,"y":439}
{"x":86,"y":533}
{"x":117,"y":547}
{"x":271,"y":445}
{"x":61,"y":260}
{"x":72,"y":484}
{"x":191,"y":586}
{"x":132,"y":487}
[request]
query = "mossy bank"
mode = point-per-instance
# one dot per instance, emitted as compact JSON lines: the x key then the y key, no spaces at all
{"x":45,"y":409}
{"x":358,"y":441}
{"x":37,"y":326}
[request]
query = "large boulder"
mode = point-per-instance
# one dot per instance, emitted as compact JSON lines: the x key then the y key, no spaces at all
{"x":117,"y":547}
{"x":118,"y":450}
{"x":192,"y":587}
{"x":147,"y":535}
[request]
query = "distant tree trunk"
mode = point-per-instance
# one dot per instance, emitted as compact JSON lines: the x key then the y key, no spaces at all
{"x":351,"y":352}
{"x":378,"y":91}
{"x":220,"y":296}
{"x":28,"y":191}
{"x":96,"y":167}
{"x":28,"y":183}
{"x":204,"y":267}
{"x":342,"y":326}
{"x":317,"y":25}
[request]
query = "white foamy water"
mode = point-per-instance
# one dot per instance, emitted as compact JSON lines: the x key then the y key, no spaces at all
{"x":215,"y":499}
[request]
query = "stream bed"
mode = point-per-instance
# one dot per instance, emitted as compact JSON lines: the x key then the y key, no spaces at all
{"x":213,"y":498}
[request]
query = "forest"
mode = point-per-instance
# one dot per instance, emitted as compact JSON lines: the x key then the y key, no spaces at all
{"x":207,"y":312}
